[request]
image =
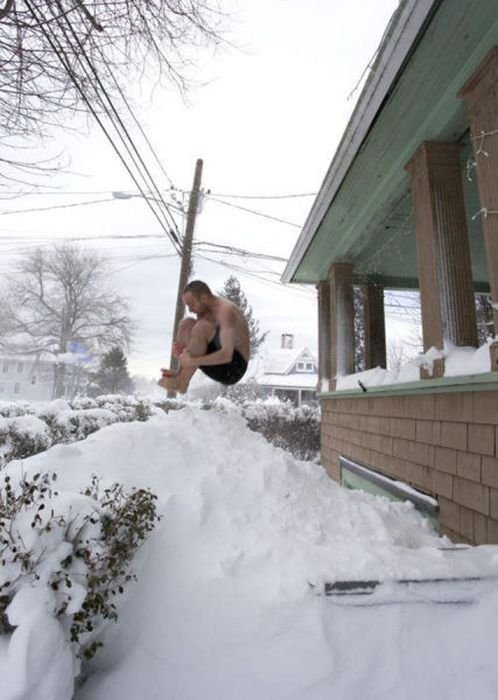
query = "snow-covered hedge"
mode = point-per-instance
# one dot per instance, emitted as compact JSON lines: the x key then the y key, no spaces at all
{"x":295,"y":429}
{"x":65,"y":560}
{"x":27,"y":428}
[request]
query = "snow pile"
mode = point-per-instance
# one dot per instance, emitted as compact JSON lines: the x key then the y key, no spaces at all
{"x":457,"y":361}
{"x":226,"y":604}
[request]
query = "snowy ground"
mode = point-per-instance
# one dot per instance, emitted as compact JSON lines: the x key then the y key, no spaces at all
{"x":223,"y":607}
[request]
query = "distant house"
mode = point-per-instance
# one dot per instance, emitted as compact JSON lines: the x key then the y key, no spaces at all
{"x":31,"y":377}
{"x":23,"y":377}
{"x":291,"y":374}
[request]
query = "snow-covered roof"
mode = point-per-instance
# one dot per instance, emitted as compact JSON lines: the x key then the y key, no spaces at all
{"x":283,"y":360}
{"x":302,"y":380}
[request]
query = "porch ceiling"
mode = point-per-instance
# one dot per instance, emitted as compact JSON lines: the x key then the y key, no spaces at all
{"x":369,"y":221}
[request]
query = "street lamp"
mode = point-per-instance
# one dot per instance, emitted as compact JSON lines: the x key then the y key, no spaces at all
{"x":132,"y":195}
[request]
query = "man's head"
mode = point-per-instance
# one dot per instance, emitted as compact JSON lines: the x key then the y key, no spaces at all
{"x":196,"y":296}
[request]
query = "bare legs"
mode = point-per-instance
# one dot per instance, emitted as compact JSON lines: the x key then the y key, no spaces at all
{"x":193,"y":336}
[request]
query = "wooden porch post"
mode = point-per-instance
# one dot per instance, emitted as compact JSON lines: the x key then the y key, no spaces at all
{"x":443,"y":252}
{"x":341,"y":321}
{"x":481,"y":95}
{"x":324,"y":375}
{"x":375,"y":326}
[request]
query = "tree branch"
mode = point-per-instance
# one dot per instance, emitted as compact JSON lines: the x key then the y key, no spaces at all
{"x":5,"y":10}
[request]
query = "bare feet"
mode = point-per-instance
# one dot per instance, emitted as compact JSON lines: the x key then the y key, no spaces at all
{"x":173,"y":381}
{"x":170,"y":372}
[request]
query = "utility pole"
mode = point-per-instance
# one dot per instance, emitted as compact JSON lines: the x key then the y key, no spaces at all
{"x":186,"y":257}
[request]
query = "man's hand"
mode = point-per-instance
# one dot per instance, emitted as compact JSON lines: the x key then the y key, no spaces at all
{"x":186,"y":359}
{"x":178,"y":348}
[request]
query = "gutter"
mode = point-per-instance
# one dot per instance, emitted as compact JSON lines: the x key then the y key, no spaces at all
{"x":406,"y":25}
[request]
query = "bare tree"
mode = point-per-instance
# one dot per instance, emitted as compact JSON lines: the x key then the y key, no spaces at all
{"x":59,"y":56}
{"x":59,"y":297}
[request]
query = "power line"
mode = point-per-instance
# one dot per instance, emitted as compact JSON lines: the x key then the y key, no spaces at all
{"x":52,"y":207}
{"x":142,"y":131}
{"x":253,"y":211}
{"x":263,"y":196}
{"x":176,"y":189}
{"x":120,"y":122}
{"x":8,"y":212}
{"x":250,"y":274}
{"x":232,"y":250}
{"x":61,"y":54}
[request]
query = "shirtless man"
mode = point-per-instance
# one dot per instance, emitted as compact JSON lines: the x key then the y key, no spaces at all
{"x":217,"y":342}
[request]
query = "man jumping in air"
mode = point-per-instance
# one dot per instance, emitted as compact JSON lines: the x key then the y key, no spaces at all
{"x":217,"y":342}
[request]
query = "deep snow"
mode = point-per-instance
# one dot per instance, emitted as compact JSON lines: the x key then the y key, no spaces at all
{"x":223,"y":607}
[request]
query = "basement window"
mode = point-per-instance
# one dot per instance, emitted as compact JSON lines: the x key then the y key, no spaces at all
{"x":358,"y":476}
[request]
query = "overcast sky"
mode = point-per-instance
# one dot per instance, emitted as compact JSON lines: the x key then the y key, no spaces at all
{"x":266,"y":121}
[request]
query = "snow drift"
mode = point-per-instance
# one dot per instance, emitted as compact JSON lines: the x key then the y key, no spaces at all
{"x":225,"y":604}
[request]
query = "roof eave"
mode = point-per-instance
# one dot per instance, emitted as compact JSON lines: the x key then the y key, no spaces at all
{"x":401,"y":35}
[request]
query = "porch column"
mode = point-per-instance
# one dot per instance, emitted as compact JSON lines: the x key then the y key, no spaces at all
{"x":323,"y":289}
{"x":481,"y":95}
{"x":443,"y":252}
{"x":375,"y":326}
{"x":341,"y":320}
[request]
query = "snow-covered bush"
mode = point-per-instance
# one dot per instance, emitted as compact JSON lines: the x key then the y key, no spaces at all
{"x":22,"y":436}
{"x":295,"y":429}
{"x":167,"y":405}
{"x":28,"y":428}
{"x":10,"y":409}
{"x":67,"y":557}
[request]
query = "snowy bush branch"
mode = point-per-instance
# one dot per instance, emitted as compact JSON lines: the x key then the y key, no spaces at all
{"x":68,"y":554}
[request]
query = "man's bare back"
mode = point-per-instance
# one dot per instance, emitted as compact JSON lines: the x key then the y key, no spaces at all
{"x":217,"y":342}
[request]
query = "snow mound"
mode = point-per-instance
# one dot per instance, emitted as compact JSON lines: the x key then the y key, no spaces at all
{"x":226,"y":603}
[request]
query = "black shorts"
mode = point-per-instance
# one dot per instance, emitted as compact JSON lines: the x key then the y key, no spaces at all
{"x":229,"y":372}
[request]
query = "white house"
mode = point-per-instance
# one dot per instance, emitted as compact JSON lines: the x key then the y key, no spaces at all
{"x":31,"y":377}
{"x":25,"y":377}
{"x":290,"y":373}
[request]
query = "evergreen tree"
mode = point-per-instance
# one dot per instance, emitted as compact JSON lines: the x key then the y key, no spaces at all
{"x":112,"y":376}
{"x":232,"y":291}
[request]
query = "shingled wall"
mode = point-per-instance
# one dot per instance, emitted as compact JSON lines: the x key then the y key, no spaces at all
{"x":444,"y":444}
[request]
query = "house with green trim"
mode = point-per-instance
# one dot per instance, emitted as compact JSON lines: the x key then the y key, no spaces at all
{"x":410,"y":202}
